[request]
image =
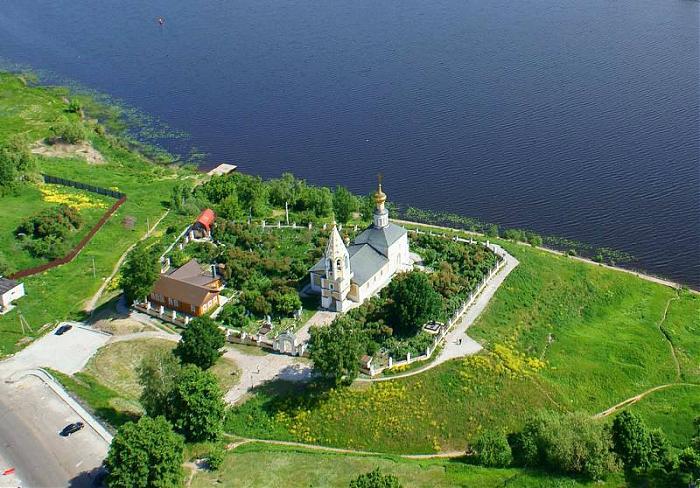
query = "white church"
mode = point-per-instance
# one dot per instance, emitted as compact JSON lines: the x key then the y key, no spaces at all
{"x":347,"y":275}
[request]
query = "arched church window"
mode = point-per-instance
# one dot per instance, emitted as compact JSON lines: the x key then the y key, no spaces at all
{"x":338,"y":263}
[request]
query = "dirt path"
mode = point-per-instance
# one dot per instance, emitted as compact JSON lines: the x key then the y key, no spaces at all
{"x":91,"y":304}
{"x":316,"y":447}
{"x":668,"y":338}
{"x":636,"y":398}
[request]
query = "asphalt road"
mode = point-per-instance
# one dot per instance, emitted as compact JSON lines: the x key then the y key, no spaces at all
{"x":31,"y":417}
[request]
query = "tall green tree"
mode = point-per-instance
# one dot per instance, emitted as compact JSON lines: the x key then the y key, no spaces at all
{"x":157,"y":373}
{"x":201,"y":343}
{"x":375,"y":479}
{"x":139,"y":273}
{"x":145,"y":454}
{"x":196,"y":406}
{"x":335,"y":350}
{"x":414,"y":302}
{"x":632,"y":441}
{"x":344,"y":204}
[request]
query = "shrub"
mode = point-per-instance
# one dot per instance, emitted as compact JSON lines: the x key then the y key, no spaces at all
{"x":492,"y":449}
{"x":215,"y":458}
{"x":375,"y":479}
{"x":71,"y":132}
{"x":414,"y":302}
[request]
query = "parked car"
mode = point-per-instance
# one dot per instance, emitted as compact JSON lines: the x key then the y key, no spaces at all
{"x":63,"y":329}
{"x":72,"y":429}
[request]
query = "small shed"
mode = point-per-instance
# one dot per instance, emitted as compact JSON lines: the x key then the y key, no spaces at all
{"x":202,"y":226}
{"x":10,"y":290}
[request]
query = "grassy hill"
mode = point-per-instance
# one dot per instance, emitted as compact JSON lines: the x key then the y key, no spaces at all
{"x":606,"y":345}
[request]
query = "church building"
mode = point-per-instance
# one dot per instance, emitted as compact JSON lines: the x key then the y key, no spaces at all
{"x":347,"y":275}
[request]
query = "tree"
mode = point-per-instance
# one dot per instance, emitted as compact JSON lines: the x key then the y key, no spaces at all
{"x":145,"y":454}
{"x":375,"y":479}
{"x":632,"y":441}
{"x":140,"y":272}
{"x":689,"y":462}
{"x":344,"y":204}
{"x":570,"y":443}
{"x":234,"y":316}
{"x":157,"y":374}
{"x":196,"y":406}
{"x":492,"y":449}
{"x":414,"y":302}
{"x":201,"y":343}
{"x":8,"y":175}
{"x":69,"y":131}
{"x":335,"y":350}
{"x":491,"y":231}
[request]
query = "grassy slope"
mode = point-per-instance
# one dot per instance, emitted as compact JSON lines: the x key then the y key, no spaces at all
{"x":261,"y":466}
{"x":61,"y":292}
{"x":109,"y":382}
{"x":606,"y":347}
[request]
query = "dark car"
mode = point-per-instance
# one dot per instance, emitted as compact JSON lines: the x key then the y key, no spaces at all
{"x":63,"y":329}
{"x":72,"y":429}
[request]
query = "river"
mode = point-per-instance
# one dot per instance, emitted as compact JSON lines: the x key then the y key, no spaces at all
{"x":578,"y":119}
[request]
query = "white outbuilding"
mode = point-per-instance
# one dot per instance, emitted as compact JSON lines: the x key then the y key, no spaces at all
{"x":10,"y":290}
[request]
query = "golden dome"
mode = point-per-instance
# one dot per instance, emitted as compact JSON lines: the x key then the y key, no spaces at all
{"x":380,"y":196}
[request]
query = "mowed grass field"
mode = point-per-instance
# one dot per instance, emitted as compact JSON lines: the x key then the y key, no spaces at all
{"x":62,"y":292}
{"x":258,"y":465}
{"x":109,"y":382}
{"x":559,"y":334}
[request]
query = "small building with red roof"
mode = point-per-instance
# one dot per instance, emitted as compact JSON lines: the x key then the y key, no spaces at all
{"x":202,"y":226}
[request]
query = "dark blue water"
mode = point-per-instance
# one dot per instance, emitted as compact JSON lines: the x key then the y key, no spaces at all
{"x":574,"y":118}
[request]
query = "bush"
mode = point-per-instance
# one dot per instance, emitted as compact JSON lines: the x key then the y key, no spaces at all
{"x":71,"y":132}
{"x":215,"y":458}
{"x":492,"y":450}
{"x":632,"y":441}
{"x":375,"y":479}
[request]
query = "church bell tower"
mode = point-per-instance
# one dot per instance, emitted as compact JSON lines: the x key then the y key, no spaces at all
{"x":336,"y":285}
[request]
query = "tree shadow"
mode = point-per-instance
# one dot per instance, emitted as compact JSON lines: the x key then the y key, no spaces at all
{"x":93,"y":478}
{"x":283,"y":395}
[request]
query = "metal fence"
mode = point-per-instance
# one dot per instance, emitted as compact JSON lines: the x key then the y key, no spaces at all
{"x":83,"y":186}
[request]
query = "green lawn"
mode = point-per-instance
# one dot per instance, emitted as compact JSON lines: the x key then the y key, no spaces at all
{"x":606,"y":347}
{"x":62,"y":292}
{"x":257,"y":465}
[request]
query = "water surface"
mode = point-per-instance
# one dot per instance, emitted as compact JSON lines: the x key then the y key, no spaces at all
{"x":572,"y":118}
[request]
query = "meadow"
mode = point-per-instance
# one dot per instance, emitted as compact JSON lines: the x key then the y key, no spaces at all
{"x":258,"y":465}
{"x":61,"y":293}
{"x":559,"y":334}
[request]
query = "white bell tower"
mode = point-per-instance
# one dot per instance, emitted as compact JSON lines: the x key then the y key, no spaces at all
{"x":336,"y":284}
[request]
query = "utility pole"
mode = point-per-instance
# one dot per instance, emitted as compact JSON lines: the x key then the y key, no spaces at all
{"x":286,"y":211}
{"x":148,"y":226}
{"x":94,"y":273}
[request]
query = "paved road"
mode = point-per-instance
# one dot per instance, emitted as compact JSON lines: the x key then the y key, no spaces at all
{"x":67,"y":353}
{"x":31,"y":416}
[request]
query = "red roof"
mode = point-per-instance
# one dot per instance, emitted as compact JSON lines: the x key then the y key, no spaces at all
{"x":206,"y":218}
